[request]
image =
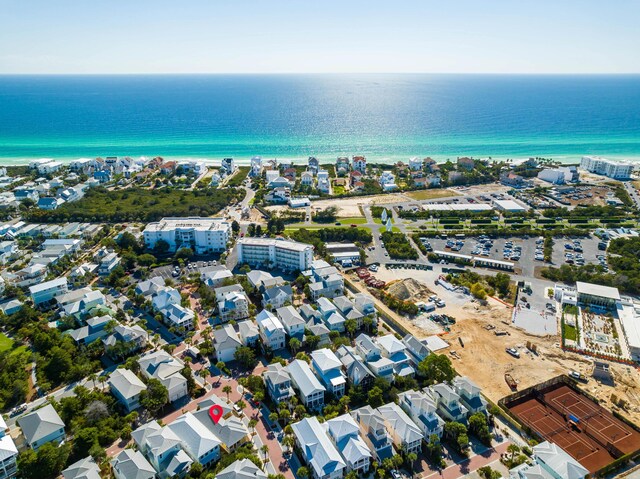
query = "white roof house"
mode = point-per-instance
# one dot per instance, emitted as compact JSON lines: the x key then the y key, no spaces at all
{"x":126,"y":386}
{"x":318,"y":451}
{"x":130,"y":464}
{"x":199,"y":442}
{"x":329,"y":370}
{"x":42,"y":426}
{"x":226,"y":341}
{"x":166,"y":368}
{"x":242,"y":469}
{"x":402,"y":429}
{"x":550,"y":462}
{"x":310,"y":389}
{"x":83,"y":469}
{"x":271,"y":330}
{"x":344,"y":432}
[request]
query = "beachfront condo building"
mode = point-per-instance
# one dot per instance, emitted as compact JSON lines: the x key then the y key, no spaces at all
{"x":203,"y":235}
{"x":602,"y":166}
{"x":279,"y":253}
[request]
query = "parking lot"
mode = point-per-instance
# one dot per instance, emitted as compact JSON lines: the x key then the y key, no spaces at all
{"x":170,"y":271}
{"x":587,"y":252}
{"x":520,"y":251}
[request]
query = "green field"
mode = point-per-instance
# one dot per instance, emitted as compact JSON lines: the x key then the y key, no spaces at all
{"x":394,"y":229}
{"x":352,"y":221}
{"x":5,"y":343}
{"x":570,"y":333}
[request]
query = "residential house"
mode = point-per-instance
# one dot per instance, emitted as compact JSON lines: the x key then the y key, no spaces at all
{"x":549,"y":461}
{"x":343,"y":431}
{"x":150,"y":287}
{"x":326,"y":280}
{"x":215,"y":276}
{"x":228,"y":166}
{"x":248,"y":332}
{"x":321,"y":331}
{"x":272,"y":331}
{"x":94,"y":329}
{"x":263,"y":279}
{"x":162,"y":366}
{"x":469,"y":394}
{"x":366,"y":348}
{"x":102,"y":176}
{"x":359,"y":163}
{"x":290,"y":174}
{"x":126,"y":387}
{"x":395,"y":350}
{"x":416,"y":350}
{"x":130,"y":464}
{"x":42,"y":426}
{"x":277,"y":296}
{"x":197,"y":440}
{"x":374,"y":432}
{"x":512,"y":180}
{"x":108,"y":264}
{"x":44,"y":293}
{"x":306,"y":179}
{"x":466,"y":163}
{"x":293,"y":323}
{"x":256,"y":166}
{"x":163,"y":448}
{"x":11,"y":306}
{"x":278,"y":383}
{"x":403,"y":431}
{"x":8,"y":453}
{"x":49,"y":203}
{"x":415,"y":163}
{"x":348,"y":310}
{"x":233,"y":303}
{"x":355,"y":368}
{"x":279,"y":182}
{"x":328,"y":368}
{"x":125,"y":340}
{"x":225,"y":343}
{"x":318,"y":452}
{"x":279,"y":195}
{"x":178,"y":316}
{"x":310,"y":390}
{"x":422,"y":409}
{"x":168,"y":168}
{"x":241,"y":469}
{"x":324,"y":183}
{"x":342,"y":166}
{"x":365,"y":304}
{"x":86,"y":468}
{"x":387,"y":181}
{"x":448,"y":402}
{"x":313,"y":164}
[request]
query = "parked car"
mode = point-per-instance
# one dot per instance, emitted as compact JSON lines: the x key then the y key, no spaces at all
{"x":513,"y":352}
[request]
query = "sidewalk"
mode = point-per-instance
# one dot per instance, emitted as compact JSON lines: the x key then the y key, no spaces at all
{"x":463,"y":468}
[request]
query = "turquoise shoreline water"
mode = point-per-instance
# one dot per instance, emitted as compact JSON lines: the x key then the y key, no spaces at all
{"x":384,"y":117}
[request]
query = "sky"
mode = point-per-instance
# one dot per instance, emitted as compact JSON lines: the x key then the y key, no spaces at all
{"x":329,"y":36}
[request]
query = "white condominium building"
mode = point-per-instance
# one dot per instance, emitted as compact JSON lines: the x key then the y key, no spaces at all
{"x":609,"y":168}
{"x":282,"y":254}
{"x":203,"y":235}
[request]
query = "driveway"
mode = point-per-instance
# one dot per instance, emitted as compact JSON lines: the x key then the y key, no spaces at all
{"x":469,"y":465}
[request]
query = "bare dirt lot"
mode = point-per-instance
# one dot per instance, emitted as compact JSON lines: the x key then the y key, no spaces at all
{"x":484,"y":360}
{"x":409,"y":290}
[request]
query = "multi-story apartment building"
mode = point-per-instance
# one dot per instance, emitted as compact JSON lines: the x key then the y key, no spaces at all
{"x":283,"y":254}
{"x":203,"y":235}
{"x":602,"y":166}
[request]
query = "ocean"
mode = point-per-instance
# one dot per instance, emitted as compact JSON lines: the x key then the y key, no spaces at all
{"x":386,"y":117}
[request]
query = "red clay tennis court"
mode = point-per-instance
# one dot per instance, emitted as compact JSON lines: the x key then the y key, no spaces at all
{"x":586,"y":431}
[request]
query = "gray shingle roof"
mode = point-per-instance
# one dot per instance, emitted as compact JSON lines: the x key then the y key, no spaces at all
{"x":40,"y":423}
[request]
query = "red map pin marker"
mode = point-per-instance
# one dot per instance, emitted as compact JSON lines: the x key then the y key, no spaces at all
{"x":215,"y":412}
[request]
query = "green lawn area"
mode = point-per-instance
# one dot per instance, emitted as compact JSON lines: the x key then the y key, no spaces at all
{"x":5,"y":343}
{"x":431,"y":194}
{"x":395,"y":229}
{"x":352,"y":221}
{"x":570,"y":333}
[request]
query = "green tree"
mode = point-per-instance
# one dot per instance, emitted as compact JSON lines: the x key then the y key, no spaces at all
{"x":47,"y":463}
{"x":227,"y":390}
{"x":184,"y":253}
{"x":155,"y":397}
{"x":246,"y":357}
{"x":375,"y":397}
{"x":303,"y":473}
{"x":436,"y":368}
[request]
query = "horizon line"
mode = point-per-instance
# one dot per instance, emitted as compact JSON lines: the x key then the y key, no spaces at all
{"x":318,"y":73}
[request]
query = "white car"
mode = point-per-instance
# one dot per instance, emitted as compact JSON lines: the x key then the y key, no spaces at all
{"x":513,"y":352}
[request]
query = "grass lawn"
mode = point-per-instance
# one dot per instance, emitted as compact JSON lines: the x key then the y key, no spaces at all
{"x":5,"y":343}
{"x":431,"y":194}
{"x":570,"y":333}
{"x":394,"y":229}
{"x":352,"y":220}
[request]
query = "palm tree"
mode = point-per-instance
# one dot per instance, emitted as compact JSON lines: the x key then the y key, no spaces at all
{"x":252,"y":425}
{"x":92,"y":377}
{"x":205,"y":373}
{"x":103,"y":379}
{"x":227,"y":390}
{"x":265,"y":450}
{"x":303,"y":473}
{"x":288,"y":442}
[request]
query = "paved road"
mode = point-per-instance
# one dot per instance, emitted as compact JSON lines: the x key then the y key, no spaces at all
{"x":633,"y":193}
